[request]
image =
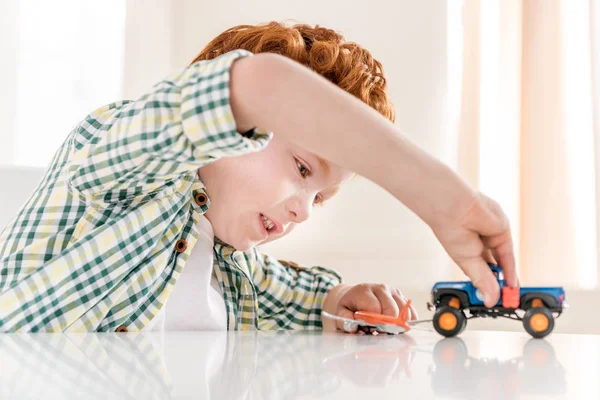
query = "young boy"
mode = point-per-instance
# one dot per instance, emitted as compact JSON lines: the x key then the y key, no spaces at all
{"x":150,"y":213}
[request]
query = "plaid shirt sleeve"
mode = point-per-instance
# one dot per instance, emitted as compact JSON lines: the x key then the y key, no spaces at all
{"x":65,"y":266}
{"x":291,"y":296}
{"x":139,"y":148}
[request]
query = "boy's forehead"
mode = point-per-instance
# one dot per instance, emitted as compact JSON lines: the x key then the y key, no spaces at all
{"x":342,"y":174}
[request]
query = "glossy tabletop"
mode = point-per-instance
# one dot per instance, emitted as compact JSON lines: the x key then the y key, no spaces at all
{"x":206,"y":365}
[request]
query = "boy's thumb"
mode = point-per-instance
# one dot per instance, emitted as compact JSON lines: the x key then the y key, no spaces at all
{"x":345,"y":313}
{"x":483,"y":279}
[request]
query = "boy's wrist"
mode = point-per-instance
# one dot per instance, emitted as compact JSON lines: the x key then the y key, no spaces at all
{"x":330,"y":304}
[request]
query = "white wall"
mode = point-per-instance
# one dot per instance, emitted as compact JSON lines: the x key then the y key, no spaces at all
{"x":59,"y":61}
{"x":8,"y":84}
{"x":364,"y":233}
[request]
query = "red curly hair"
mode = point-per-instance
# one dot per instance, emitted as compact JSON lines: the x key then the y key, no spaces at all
{"x":323,"y":50}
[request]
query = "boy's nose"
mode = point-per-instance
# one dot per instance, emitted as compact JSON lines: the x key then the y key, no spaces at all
{"x":299,"y":210}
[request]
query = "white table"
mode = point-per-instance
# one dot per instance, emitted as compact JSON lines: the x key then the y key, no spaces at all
{"x":203,"y":365}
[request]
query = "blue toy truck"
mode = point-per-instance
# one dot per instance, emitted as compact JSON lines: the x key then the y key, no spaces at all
{"x":536,"y":307}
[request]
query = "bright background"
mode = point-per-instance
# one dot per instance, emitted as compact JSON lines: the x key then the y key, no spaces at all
{"x":504,"y":91}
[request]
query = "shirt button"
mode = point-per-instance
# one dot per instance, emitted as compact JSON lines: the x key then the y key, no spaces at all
{"x":121,"y":328}
{"x":180,"y":246}
{"x":201,"y":199}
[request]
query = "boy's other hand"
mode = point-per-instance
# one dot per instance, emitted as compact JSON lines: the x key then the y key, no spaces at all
{"x":344,"y":300}
{"x":481,"y":236}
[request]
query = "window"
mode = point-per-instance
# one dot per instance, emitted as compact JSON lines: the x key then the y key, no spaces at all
{"x":68,"y":63}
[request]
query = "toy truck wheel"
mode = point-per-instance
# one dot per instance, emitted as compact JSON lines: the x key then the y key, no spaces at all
{"x":448,"y":321}
{"x":464,"y":326}
{"x":538,"y":322}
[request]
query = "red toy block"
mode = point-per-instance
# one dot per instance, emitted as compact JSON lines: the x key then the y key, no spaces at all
{"x":510,"y":297}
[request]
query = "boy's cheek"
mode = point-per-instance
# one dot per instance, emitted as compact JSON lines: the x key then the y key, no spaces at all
{"x":286,"y":232}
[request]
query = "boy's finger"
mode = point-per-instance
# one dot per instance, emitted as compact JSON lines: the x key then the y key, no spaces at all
{"x":361,"y":298}
{"x":345,"y":313}
{"x":489,"y":257}
{"x":506,"y":260}
{"x":490,"y":222}
{"x":502,"y":249}
{"x":388,"y":304}
{"x":478,"y":270}
{"x":413,"y":313}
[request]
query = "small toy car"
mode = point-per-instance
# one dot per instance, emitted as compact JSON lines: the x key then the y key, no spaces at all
{"x":368,"y":321}
{"x":536,"y":307}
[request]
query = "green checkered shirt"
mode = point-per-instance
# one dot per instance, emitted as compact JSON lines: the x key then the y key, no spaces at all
{"x":94,"y":248}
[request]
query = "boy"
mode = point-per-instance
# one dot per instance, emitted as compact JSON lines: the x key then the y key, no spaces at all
{"x":190,"y":175}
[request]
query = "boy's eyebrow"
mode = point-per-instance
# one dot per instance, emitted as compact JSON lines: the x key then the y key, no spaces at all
{"x":324,"y":164}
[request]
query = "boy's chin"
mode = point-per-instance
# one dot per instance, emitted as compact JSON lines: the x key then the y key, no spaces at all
{"x":242,"y":245}
{"x":243,"y":248}
{"x":245,"y":244}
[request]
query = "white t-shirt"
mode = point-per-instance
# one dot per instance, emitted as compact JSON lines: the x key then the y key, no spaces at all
{"x":196,"y":302}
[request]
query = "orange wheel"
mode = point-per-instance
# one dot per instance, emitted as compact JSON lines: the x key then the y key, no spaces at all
{"x":538,"y":322}
{"x":449,"y":321}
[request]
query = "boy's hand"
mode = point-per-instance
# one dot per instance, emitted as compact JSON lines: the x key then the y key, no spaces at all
{"x":481,"y":236}
{"x":344,"y":300}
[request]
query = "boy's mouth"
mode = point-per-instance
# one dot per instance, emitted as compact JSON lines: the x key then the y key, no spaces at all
{"x":270,"y":226}
{"x":267,"y":222}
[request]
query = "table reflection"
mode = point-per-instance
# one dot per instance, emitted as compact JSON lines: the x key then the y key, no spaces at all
{"x":263,"y":366}
{"x":455,"y":374}
{"x":49,"y":366}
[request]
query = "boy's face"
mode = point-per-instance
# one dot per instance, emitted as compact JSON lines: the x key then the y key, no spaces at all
{"x":283,"y":183}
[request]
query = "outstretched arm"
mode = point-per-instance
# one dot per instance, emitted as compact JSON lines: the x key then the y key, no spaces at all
{"x":276,"y":94}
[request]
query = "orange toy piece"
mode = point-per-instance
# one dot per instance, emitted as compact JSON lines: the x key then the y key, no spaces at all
{"x":380,"y":319}
{"x":511,"y":297}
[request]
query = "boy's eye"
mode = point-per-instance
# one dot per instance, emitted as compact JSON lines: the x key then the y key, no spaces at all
{"x":304,"y":172}
{"x":318,"y":201}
